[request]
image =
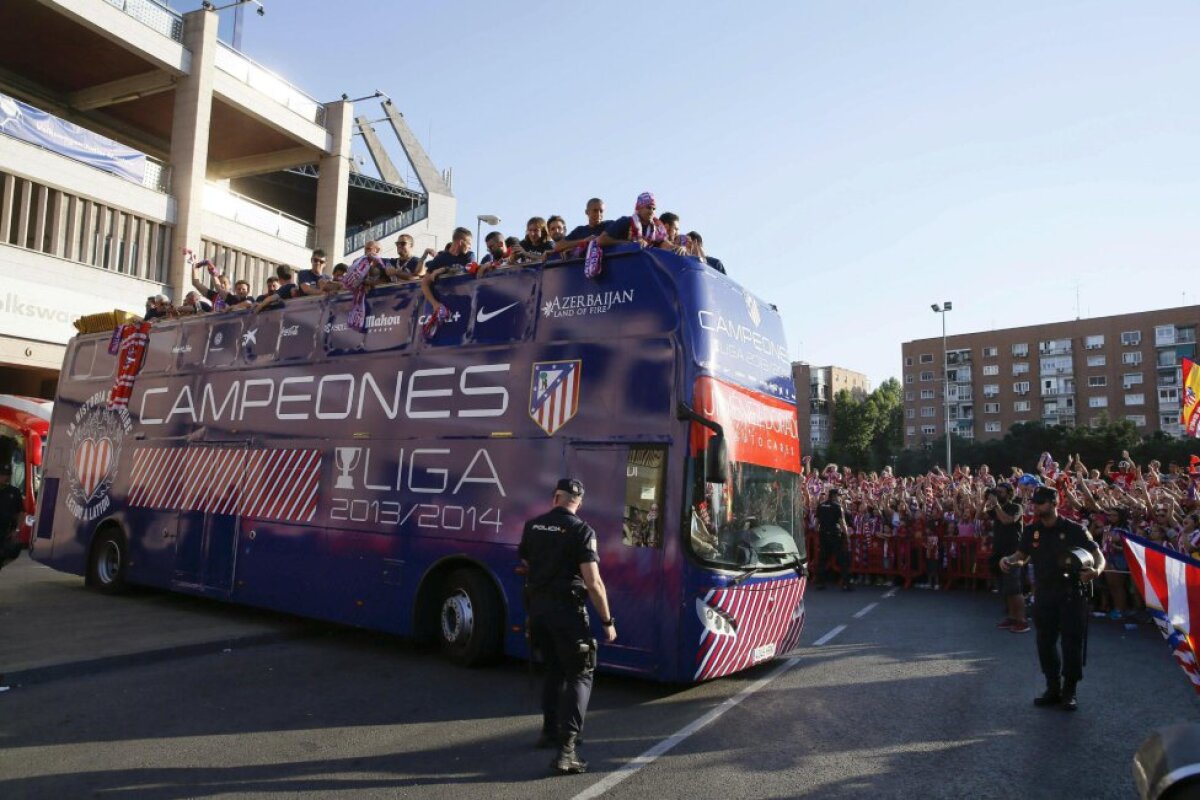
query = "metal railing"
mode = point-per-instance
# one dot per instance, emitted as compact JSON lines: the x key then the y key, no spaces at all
{"x":260,"y":217}
{"x":153,"y":15}
{"x":384,"y":229}
{"x":261,"y":79}
{"x":157,"y":175}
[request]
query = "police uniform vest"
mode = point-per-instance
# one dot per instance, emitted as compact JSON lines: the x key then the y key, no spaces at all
{"x":554,"y":544}
{"x":1046,"y":546}
{"x":829,"y":517}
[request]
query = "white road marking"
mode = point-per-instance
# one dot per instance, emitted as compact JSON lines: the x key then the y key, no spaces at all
{"x":863,"y":612}
{"x":666,"y":745}
{"x":891,"y":592}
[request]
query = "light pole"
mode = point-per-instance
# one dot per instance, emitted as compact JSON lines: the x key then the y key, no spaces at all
{"x":490,"y":219}
{"x":943,"y":309}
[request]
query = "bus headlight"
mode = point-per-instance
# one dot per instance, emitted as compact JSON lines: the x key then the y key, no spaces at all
{"x":715,"y":620}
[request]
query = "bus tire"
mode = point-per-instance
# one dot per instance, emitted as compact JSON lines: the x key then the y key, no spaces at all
{"x":470,"y":625}
{"x":108,"y":562}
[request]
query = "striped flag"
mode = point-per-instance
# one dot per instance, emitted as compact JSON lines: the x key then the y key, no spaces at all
{"x":1189,"y":413}
{"x":1170,"y":585}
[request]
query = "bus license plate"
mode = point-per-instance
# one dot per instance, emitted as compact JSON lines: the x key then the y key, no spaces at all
{"x":762,"y":653}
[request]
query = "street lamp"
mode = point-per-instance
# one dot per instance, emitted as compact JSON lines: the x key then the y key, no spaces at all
{"x":490,"y":219}
{"x":942,"y":309}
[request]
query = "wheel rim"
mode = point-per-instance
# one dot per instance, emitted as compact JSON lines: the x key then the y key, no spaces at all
{"x":458,"y":618}
{"x":108,"y":565}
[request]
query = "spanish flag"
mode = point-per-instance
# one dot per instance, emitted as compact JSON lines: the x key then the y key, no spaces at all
{"x":1190,"y":415}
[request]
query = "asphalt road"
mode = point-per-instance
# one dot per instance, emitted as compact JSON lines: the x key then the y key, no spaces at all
{"x":160,"y":696}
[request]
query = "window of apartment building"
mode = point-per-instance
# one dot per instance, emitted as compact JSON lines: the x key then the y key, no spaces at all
{"x":908,"y":378}
{"x":991,"y":390}
{"x":908,"y":361}
{"x":1132,"y":358}
{"x":1164,"y":335}
{"x":1020,"y":368}
{"x":1137,"y":399}
{"x":1131,"y":379}
{"x":991,"y":352}
{"x":929,"y":430}
{"x":927,"y":394}
{"x":910,"y":413}
{"x":1131,"y":338}
{"x":928,"y":411}
{"x":926,"y":358}
{"x":1168,"y":395}
{"x":991,"y":408}
{"x":1054,"y":345}
{"x":911,"y":430}
{"x":1167,"y":358}
{"x":1021,"y":387}
{"x":1097,"y":380}
{"x":1020,"y":350}
{"x":926,"y":376}
{"x":1138,"y":420}
{"x":908,"y":396}
{"x":1093,"y":342}
{"x":1097,"y":361}
{"x":1020,"y":405}
{"x":991,"y":427}
{"x":1051,"y":364}
{"x":991,"y":369}
{"x":1098,"y":402}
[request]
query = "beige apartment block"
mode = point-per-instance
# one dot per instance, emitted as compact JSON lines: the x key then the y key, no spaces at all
{"x":816,"y":388}
{"x":1080,"y":372}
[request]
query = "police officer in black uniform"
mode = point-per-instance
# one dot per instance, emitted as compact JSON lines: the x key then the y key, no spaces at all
{"x":831,"y":523}
{"x":12,"y":505}
{"x":559,"y":551}
{"x":1060,"y":606}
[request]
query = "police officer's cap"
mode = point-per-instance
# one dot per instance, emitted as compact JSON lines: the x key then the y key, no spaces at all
{"x":571,"y":486}
{"x":1045,"y":494}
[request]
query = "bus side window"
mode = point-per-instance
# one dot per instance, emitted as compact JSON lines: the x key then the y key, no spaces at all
{"x":81,"y":365}
{"x":644,"y":479}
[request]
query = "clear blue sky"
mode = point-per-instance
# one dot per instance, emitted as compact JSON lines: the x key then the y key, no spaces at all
{"x":850,"y":162}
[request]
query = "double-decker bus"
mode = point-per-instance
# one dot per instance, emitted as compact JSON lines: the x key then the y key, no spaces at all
{"x":24,"y":422}
{"x":381,"y":478}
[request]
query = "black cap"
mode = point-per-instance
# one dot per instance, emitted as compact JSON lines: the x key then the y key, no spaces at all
{"x":571,"y":486}
{"x":1045,"y":494}
{"x":834,"y":492}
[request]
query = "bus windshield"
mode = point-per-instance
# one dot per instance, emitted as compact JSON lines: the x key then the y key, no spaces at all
{"x":749,"y":522}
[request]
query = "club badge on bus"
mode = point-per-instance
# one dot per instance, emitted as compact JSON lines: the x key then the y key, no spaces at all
{"x":554,"y":393}
{"x":96,"y":434}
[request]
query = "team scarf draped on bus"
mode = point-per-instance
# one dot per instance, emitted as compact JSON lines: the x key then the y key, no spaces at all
{"x":133,"y":339}
{"x":355,"y":280}
{"x":652,"y":232}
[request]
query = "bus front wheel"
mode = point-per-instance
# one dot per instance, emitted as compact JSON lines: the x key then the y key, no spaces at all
{"x":107,"y":565}
{"x":470,"y":625}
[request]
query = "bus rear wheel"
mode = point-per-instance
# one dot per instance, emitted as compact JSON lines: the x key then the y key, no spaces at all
{"x":108,"y":563}
{"x":470,"y":625}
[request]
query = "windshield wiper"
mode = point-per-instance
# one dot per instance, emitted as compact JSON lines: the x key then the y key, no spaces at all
{"x":735,"y":581}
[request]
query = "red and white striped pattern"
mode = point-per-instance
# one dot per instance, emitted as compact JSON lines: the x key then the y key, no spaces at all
{"x":555,"y":407}
{"x":1170,"y":585}
{"x":92,"y":460}
{"x":762,"y":614}
{"x":265,"y":484}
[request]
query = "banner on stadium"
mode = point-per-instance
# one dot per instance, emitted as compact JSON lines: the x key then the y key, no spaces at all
{"x":1189,"y":413}
{"x":1170,"y":585}
{"x":35,"y":126}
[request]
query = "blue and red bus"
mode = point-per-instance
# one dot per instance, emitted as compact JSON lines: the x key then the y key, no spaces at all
{"x":379,"y":478}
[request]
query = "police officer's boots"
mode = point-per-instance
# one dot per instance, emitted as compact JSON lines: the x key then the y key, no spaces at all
{"x":1052,"y":696}
{"x":1068,"y":696}
{"x":568,"y":761}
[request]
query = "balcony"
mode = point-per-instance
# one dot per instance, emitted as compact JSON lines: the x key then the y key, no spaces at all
{"x":242,"y":68}
{"x":153,"y":15}
{"x":252,"y":214}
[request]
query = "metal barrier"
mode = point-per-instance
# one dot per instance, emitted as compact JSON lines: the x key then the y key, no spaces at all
{"x":952,"y":560}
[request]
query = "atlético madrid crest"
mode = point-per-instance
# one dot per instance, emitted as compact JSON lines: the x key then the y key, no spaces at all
{"x":96,"y":434}
{"x":554,"y":393}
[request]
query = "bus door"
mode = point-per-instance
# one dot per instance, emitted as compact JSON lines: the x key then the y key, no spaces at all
{"x":624,"y":486}
{"x":207,"y":539}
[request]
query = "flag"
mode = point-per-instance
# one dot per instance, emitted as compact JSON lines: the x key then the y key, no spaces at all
{"x":1189,"y":414}
{"x":1170,"y":584}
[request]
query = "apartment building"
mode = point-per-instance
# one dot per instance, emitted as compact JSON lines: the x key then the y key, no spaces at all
{"x":816,"y":388}
{"x":1081,"y":372}
{"x":129,"y":131}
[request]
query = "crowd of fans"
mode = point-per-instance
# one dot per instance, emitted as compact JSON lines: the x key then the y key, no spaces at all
{"x":545,"y":240}
{"x":936,"y":513}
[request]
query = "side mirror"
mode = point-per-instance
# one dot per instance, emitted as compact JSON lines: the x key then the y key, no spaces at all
{"x":35,"y":450}
{"x":716,"y":460}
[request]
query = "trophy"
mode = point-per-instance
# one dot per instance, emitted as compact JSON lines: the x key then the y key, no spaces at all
{"x":347,"y":460}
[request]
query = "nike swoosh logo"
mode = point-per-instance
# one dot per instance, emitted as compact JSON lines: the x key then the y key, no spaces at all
{"x":484,"y":315}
